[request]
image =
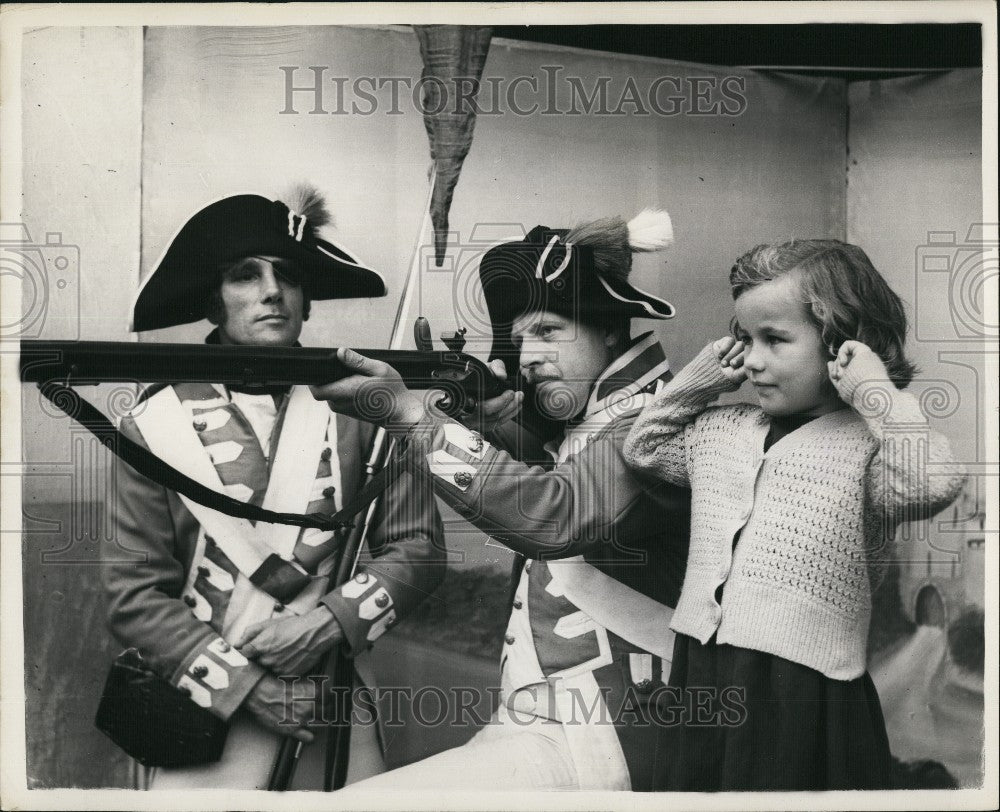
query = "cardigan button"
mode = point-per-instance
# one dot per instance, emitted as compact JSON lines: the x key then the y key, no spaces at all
{"x":509,"y":639}
{"x":517,"y":603}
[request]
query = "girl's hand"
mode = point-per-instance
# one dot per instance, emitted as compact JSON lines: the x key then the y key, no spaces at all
{"x":730,"y":352}
{"x":856,"y":364}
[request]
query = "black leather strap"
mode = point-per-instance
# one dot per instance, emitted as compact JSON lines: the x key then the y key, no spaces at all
{"x":152,"y":467}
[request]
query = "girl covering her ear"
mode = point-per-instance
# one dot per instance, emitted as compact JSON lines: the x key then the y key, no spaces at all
{"x":793,"y":503}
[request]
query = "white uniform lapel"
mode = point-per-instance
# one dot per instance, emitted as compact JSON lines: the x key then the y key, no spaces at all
{"x":293,"y":471}
{"x":166,"y":427}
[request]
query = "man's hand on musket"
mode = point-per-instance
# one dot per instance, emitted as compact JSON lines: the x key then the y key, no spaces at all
{"x":494,"y":412}
{"x":285,"y":708}
{"x":375,"y":393}
{"x":291,"y":645}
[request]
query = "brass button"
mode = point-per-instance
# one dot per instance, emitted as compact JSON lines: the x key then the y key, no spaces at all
{"x":200,"y":671}
{"x":463,"y":479}
{"x":224,"y":646}
{"x":200,"y":425}
{"x":190,"y":601}
{"x":329,"y":491}
{"x":361,"y":577}
{"x":517,"y":604}
{"x":390,"y":622}
{"x":509,"y":639}
{"x":326,"y":454}
{"x":476,"y":444}
{"x":382,"y":601}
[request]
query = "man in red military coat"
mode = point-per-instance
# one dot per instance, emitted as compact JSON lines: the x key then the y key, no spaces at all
{"x":192,"y":607}
{"x":601,"y":552}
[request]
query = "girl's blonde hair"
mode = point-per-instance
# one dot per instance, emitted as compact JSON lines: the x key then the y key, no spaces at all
{"x":847,"y":298}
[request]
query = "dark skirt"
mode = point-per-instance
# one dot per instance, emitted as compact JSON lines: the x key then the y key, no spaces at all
{"x":766,"y":723}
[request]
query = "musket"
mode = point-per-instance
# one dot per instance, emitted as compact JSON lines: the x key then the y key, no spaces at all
{"x":463,"y":379}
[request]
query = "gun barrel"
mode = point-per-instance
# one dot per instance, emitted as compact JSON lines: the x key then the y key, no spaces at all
{"x":92,"y":362}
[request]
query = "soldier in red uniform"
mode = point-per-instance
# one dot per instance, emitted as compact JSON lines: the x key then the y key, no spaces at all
{"x":251,"y":265}
{"x":601,"y":553}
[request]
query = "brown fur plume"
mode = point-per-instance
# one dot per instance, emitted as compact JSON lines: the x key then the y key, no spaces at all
{"x":608,"y":238}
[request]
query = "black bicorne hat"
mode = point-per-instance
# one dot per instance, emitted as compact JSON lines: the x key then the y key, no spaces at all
{"x":179,"y":288}
{"x":547,"y":271}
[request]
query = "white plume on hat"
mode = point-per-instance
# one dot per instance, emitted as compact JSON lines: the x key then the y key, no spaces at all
{"x":650,"y":230}
{"x":613,"y":241}
{"x":306,"y":200}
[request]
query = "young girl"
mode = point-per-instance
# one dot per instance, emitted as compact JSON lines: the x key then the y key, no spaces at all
{"x":793,"y":503}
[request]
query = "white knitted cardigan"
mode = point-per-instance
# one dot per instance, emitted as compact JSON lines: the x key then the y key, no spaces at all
{"x":816,"y":511}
